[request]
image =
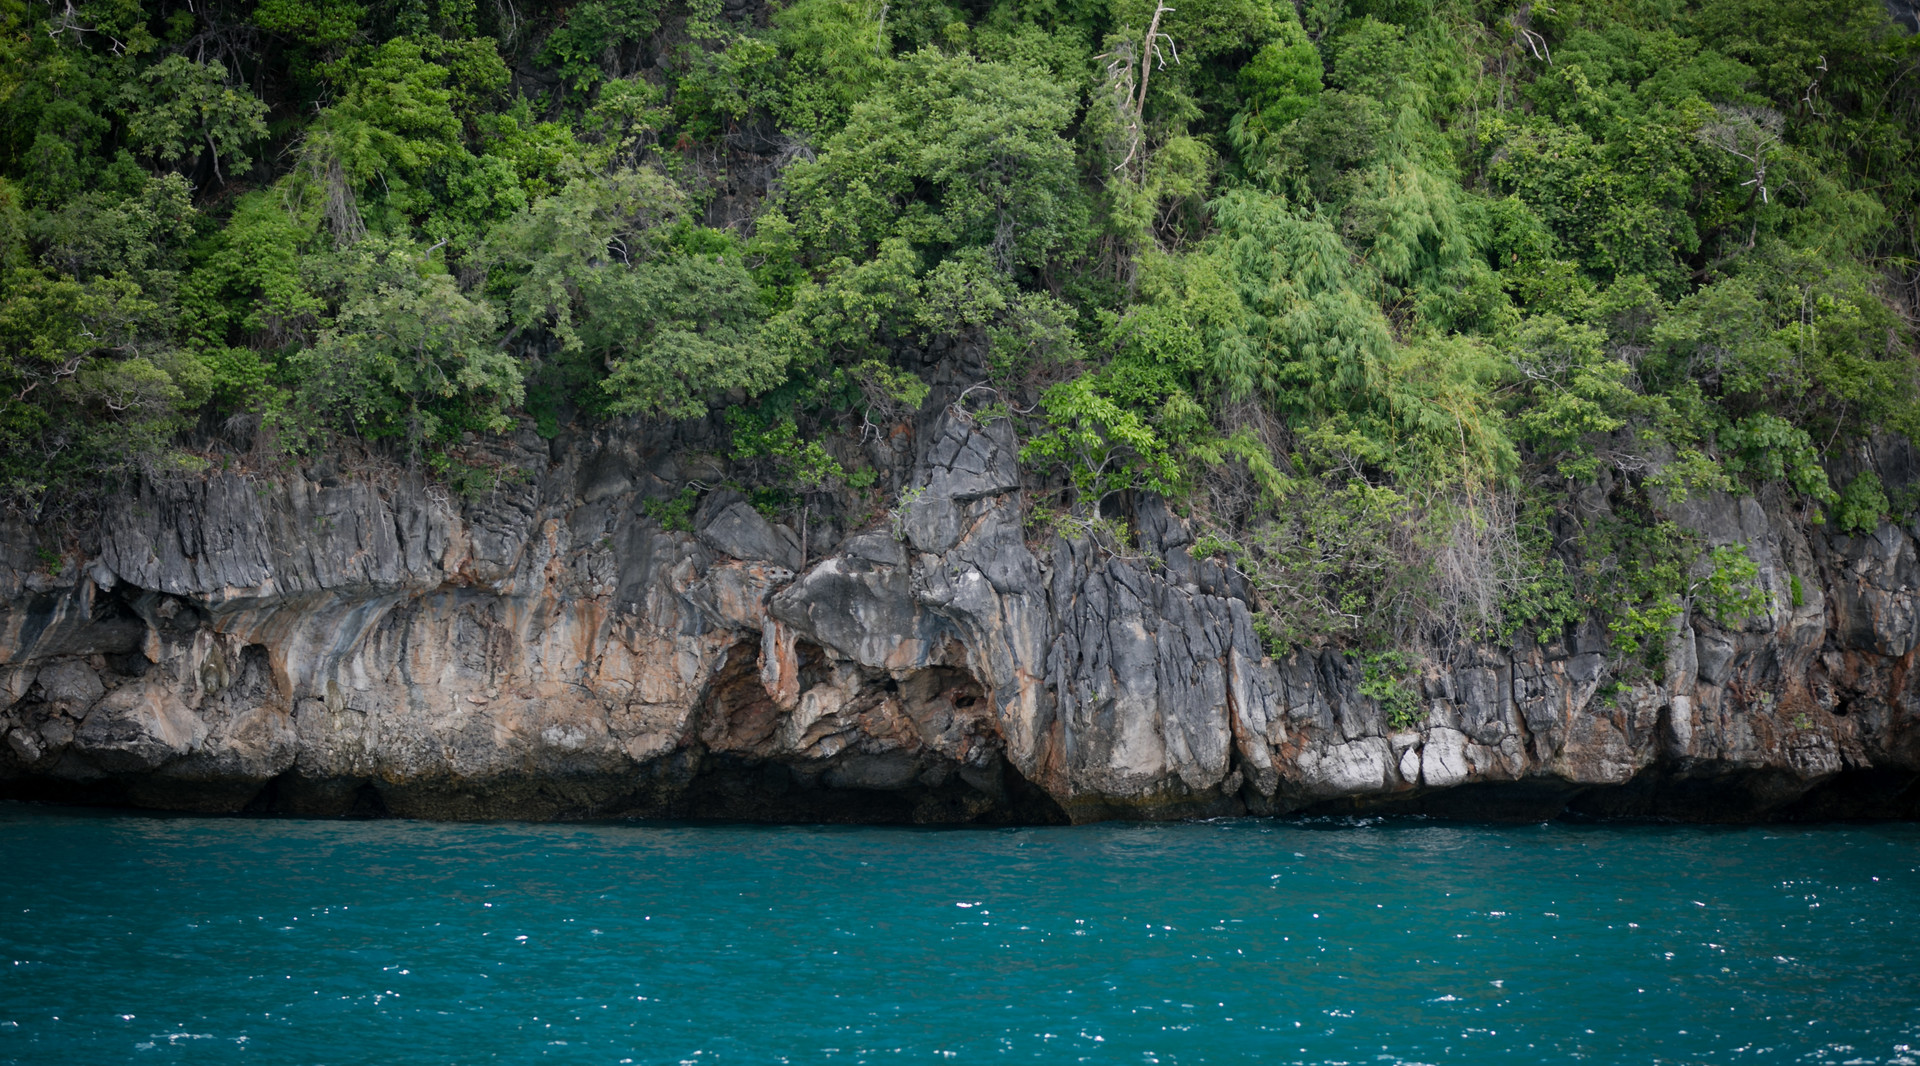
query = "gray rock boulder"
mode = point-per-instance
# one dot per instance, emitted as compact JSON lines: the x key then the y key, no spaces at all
{"x":740,"y":531}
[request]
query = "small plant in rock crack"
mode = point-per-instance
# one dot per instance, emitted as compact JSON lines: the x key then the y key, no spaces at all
{"x":897,"y":517}
{"x":1270,"y":641}
{"x":1385,"y":679}
{"x":1110,"y":535}
{"x":1209,"y":545}
{"x":1731,"y":590}
{"x":804,"y":466}
{"x":674,"y":513}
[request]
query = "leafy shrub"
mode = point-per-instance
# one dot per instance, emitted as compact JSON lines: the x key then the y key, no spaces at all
{"x":674,"y":513}
{"x":1384,"y":680}
{"x":407,"y":355}
{"x":604,"y":266}
{"x":1861,"y":505}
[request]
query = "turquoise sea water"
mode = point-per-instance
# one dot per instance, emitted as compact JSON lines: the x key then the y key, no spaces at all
{"x":192,"y":940}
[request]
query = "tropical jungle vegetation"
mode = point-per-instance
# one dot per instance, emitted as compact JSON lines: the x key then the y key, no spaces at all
{"x":1429,"y":314}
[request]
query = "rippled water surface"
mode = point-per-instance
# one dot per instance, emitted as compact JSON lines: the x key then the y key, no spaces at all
{"x":140,"y":939}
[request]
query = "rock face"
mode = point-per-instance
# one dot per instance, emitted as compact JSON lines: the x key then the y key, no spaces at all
{"x":328,"y":644}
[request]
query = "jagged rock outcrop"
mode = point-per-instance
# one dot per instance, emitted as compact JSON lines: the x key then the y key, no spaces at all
{"x":330,"y":643}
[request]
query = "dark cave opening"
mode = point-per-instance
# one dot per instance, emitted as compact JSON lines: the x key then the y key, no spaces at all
{"x":887,"y":754}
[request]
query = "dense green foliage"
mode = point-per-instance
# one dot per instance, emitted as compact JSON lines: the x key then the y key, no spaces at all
{"x":1375,"y":290}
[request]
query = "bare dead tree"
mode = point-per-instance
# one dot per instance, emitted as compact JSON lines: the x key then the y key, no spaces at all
{"x":1749,"y":134}
{"x":1522,"y":22}
{"x":1130,"y":91}
{"x":1150,"y":53}
{"x":1812,"y":88}
{"x":67,"y":20}
{"x":1123,"y":84}
{"x":1480,"y":563}
{"x":326,"y":176}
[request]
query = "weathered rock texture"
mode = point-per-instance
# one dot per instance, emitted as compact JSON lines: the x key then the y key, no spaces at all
{"x":324,"y":643}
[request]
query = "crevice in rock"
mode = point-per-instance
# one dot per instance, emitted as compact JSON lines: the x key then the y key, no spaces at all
{"x":739,"y":715}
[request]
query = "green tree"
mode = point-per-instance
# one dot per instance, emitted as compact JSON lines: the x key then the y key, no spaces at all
{"x":407,"y":354}
{"x":182,"y":110}
{"x":952,"y":153}
{"x":641,"y":311}
{"x":89,"y":385}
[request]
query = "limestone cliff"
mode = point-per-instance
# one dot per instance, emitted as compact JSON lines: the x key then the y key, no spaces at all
{"x":324,"y":642}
